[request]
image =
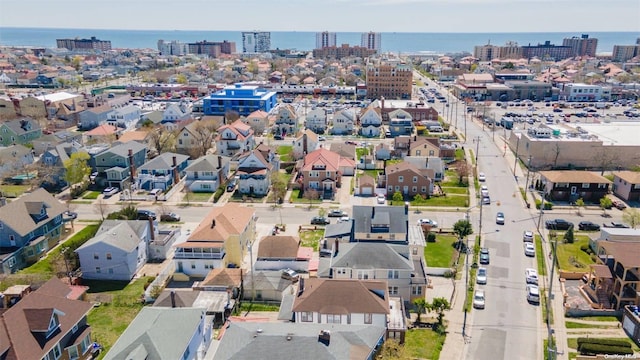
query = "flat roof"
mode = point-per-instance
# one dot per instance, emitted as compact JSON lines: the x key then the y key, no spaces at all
{"x":620,"y":133}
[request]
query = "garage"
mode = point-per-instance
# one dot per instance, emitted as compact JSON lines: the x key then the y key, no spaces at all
{"x":366,"y":186}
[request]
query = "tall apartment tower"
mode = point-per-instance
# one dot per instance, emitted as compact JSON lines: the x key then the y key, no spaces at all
{"x":84,"y":44}
{"x":256,"y":41}
{"x":391,"y":80}
{"x":325,"y":39}
{"x":371,"y":40}
{"x":581,"y":46}
{"x":172,"y":47}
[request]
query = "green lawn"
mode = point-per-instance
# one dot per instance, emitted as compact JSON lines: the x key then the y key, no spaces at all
{"x":540,"y":258}
{"x":360,"y":152}
{"x":455,"y":190}
{"x":441,"y":252}
{"x":451,"y":201}
{"x":297,"y":198}
{"x":13,"y":191}
{"x":248,"y":306}
{"x":423,"y":344}
{"x":577,"y":325}
{"x":119,"y":305}
{"x":285,"y":152}
{"x":598,"y":318}
{"x":570,"y":257}
{"x":197,"y":197}
{"x":371,"y":172}
{"x":90,"y":195}
{"x":311,"y":238}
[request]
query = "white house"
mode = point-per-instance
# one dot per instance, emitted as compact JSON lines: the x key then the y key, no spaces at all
{"x":234,"y":138}
{"x":207,"y":173}
{"x":305,"y":143}
{"x":258,"y":120}
{"x":125,"y":117}
{"x":371,"y":122}
{"x":343,"y":122}
{"x":317,"y":121}
{"x":255,"y":173}
{"x":173,"y":115}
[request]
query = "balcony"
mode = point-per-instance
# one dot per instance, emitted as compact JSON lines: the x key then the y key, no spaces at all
{"x":199,"y":253}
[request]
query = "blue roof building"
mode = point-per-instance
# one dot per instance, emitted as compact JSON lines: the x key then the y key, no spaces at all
{"x":243,"y":99}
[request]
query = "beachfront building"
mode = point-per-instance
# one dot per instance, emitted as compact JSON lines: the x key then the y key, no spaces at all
{"x":256,"y":41}
{"x":243,"y":99}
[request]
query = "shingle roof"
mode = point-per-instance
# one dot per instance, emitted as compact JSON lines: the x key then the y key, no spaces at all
{"x":123,"y":149}
{"x":574,"y":176}
{"x":207,"y":163}
{"x":278,"y":247}
{"x":20,"y":126}
{"x":632,"y":177}
{"x":117,"y":234}
{"x":163,"y":161}
{"x":370,"y":256}
{"x":364,"y":215}
{"x":333,"y":296}
{"x":16,"y":213}
{"x":626,"y":253}
{"x":322,"y":156}
{"x":227,"y":277}
{"x":230,"y":219}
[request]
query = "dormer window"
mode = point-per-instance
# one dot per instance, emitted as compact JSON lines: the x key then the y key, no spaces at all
{"x":54,"y":324}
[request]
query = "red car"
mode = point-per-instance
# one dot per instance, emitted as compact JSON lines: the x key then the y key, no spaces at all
{"x":619,"y":205}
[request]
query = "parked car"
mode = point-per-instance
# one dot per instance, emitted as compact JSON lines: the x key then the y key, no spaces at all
{"x":146,"y":214}
{"x":336,"y":213}
{"x":616,"y":225}
{"x":110,"y":191}
{"x":527,"y":236}
{"x":482,"y":177}
{"x":533,"y":294}
{"x":588,"y":226}
{"x":70,"y":215}
{"x":500,"y":218}
{"x":320,"y":220}
{"x":289,"y":274}
{"x":344,"y":219}
{"x":558,"y":224}
{"x":531,"y":276}
{"x":484,"y":257}
{"x":481,"y":276}
{"x":478,"y":299}
{"x":381,"y":199}
{"x":619,"y":205}
{"x":433,"y":223}
{"x":529,"y":249}
{"x":486,"y":200}
{"x":170,"y":217}
{"x":93,"y":176}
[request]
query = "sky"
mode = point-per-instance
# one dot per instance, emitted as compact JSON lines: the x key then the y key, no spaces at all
{"x":442,"y":16}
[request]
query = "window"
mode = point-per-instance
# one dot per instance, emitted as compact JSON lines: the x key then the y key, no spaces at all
{"x":414,"y":189}
{"x":585,"y":185}
{"x":73,"y":352}
{"x":368,"y":318}
{"x":415,"y":179}
{"x":417,"y":290}
{"x":74,"y":328}
{"x":341,"y":271}
{"x":84,"y":345}
{"x":96,"y":256}
{"x":108,"y":256}
{"x":98,"y":271}
{"x":306,"y":316}
{"x":392,"y":274}
{"x":400,"y":178}
{"x":334,"y":319}
{"x":602,"y":186}
{"x":364,"y":275}
{"x":110,"y":271}
{"x":393,"y":290}
{"x":193,"y":264}
{"x":423,"y":189}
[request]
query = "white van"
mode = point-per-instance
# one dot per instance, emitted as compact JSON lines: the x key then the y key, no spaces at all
{"x":155,"y":192}
{"x":436,"y":129}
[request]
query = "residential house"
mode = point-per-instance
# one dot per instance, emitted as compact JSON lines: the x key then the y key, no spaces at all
{"x":13,"y":160}
{"x":47,"y":324}
{"x":254,"y":171}
{"x":258,"y":121}
{"x":365,"y":185}
{"x":343,"y":122}
{"x":428,"y":163}
{"x":304,"y":144}
{"x":401,"y":145}
{"x":19,"y":131}
{"x":409,"y":180}
{"x":321,"y":172}
{"x":371,"y":122}
{"x":235,"y":138}
{"x":377,"y":261}
{"x":222,"y":239}
{"x":286,"y":121}
{"x":344,"y":301}
{"x":278,"y":340}
{"x":162,"y":172}
{"x":173,"y":114}
{"x":280,"y":252}
{"x":266,"y":285}
{"x":621,"y":278}
{"x":125,"y":117}
{"x":207,"y":173}
{"x":423,"y":146}
{"x":94,"y":116}
{"x":29,"y":226}
{"x":117,"y":251}
{"x":164,"y":334}
{"x":32,"y":107}
{"x":48,"y":141}
{"x":388,"y":224}
{"x":316,"y":121}
{"x":626,"y":185}
{"x":382,"y":152}
{"x":571,"y":185}
{"x":188,"y":140}
{"x":104,"y":133}
{"x":120,"y":163}
{"x":53,"y":161}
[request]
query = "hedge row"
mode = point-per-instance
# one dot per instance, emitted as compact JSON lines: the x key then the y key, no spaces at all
{"x":594,"y":349}
{"x":610,"y":342}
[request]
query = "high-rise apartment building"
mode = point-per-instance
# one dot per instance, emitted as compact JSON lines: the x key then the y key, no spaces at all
{"x":172,"y":47}
{"x":84,"y":44}
{"x":622,"y":53}
{"x":391,"y":80}
{"x":547,"y":51}
{"x":212,"y":48}
{"x":371,"y":40}
{"x":486,"y":52}
{"x":325,"y":39}
{"x":581,"y":46}
{"x":256,"y":41}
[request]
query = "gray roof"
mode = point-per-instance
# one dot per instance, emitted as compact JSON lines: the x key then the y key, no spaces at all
{"x":372,"y":256}
{"x":285,"y":341}
{"x":365,"y":216}
{"x":120,"y":234}
{"x":266,"y":280}
{"x":122,"y":149}
{"x":207,"y":163}
{"x":157,"y":333}
{"x":13,"y":152}
{"x":163,"y":161}
{"x":16,"y":213}
{"x":338,"y":230}
{"x":20,"y":126}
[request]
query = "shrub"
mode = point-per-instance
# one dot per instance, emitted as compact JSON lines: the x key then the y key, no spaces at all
{"x":128,"y":212}
{"x":449,"y":274}
{"x":547,"y":205}
{"x":588,"y":348}
{"x":431,"y":237}
{"x":568,"y":236}
{"x":609,"y":342}
{"x":218,"y":194}
{"x":586,"y":248}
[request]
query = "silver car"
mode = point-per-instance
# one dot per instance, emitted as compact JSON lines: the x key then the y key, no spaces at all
{"x":481,"y":276}
{"x":478,"y":299}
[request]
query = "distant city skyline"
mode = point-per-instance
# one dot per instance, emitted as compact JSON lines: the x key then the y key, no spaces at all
{"x":435,"y":16}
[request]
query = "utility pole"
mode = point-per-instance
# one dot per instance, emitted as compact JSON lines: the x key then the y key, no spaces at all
{"x":551,"y":346}
{"x":515,"y":162}
{"x":526,"y":183}
{"x":477,"y":141}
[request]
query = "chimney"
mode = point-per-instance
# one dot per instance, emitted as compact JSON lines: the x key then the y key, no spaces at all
{"x":174,"y":161}
{"x":336,"y":247}
{"x":406,"y":208}
{"x":173,"y":298}
{"x":304,"y":143}
{"x":219,"y":162}
{"x":152,"y":230}
{"x":301,"y":286}
{"x":213,"y":223}
{"x":324,"y":337}
{"x":132,"y":166}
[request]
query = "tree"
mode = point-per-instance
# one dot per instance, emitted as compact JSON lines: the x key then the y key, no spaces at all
{"x":605,"y":203}
{"x":322,"y":212}
{"x":397,"y":197}
{"x":439,"y":305}
{"x":462,"y":170}
{"x":462,"y":228}
{"x":311,"y":194}
{"x":278,"y":186}
{"x":631,"y":216}
{"x":579,"y":204}
{"x":569,"y":236}
{"x":204,"y":132}
{"x":76,"y":168}
{"x":181,"y":79}
{"x":100,"y":207}
{"x":421,"y":306}
{"x":162,"y":140}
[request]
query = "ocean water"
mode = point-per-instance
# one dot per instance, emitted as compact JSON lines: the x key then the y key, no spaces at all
{"x":390,"y":42}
